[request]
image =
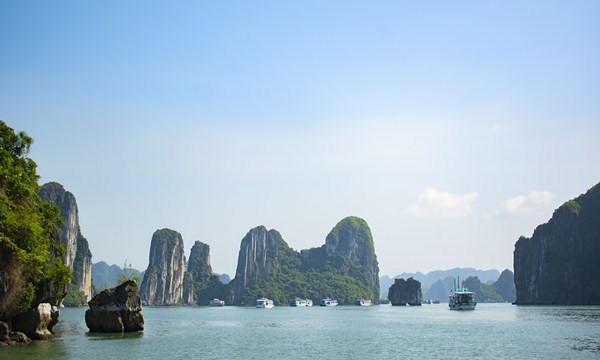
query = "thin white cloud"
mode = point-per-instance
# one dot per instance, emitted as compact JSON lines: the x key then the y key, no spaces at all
{"x":432,"y":202}
{"x":524,"y":204}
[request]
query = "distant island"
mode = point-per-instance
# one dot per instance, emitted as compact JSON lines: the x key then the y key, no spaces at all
{"x":488,"y":285}
{"x":344,"y":268}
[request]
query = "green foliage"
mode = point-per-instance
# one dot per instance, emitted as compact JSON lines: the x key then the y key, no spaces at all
{"x":124,"y":278}
{"x":574,"y":206}
{"x":26,"y":222}
{"x":74,"y":297}
{"x":347,"y":274}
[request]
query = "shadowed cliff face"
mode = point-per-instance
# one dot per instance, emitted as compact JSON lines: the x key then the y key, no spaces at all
{"x":560,"y":263}
{"x":199,"y":274}
{"x":257,"y":256}
{"x":163,"y":280}
{"x":404,"y":292}
{"x":199,"y":263}
{"x":77,"y":253}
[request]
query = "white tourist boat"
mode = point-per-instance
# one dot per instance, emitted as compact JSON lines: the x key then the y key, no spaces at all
{"x":363,"y":302}
{"x":462,"y":299}
{"x":328,"y":302}
{"x":302,"y":302}
{"x":264,"y":303}
{"x":217,"y":303}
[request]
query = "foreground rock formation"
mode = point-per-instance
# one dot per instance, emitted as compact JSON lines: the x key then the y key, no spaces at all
{"x":117,"y":309}
{"x":33,"y":277}
{"x":405,"y":292}
{"x":77,"y":252}
{"x":560,"y":263}
{"x":8,"y":337}
{"x":37,"y":323}
{"x":163,"y":280}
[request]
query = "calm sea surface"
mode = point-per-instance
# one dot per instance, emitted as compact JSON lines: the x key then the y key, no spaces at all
{"x":492,"y":331}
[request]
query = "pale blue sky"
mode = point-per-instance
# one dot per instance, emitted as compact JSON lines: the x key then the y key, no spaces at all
{"x":452,"y":128}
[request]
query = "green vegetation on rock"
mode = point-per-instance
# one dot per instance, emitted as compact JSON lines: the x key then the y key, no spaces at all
{"x":345,"y":268}
{"x":29,"y":250}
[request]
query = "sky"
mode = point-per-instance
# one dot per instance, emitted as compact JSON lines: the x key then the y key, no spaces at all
{"x":452,"y":128}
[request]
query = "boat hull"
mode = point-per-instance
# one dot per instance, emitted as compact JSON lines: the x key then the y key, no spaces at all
{"x":463,"y":307}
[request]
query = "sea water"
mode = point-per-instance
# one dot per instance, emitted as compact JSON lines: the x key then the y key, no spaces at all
{"x":492,"y":331}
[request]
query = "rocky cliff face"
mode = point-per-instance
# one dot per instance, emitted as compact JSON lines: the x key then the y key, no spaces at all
{"x":199,"y":263}
{"x":351,"y":239}
{"x":163,"y":280}
{"x":560,"y":263}
{"x":77,"y":253}
{"x":405,"y":292}
{"x":199,"y":274}
{"x":258,"y":256}
{"x":117,"y":309}
{"x":344,"y":268}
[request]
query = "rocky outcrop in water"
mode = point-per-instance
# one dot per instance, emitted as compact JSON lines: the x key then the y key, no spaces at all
{"x":405,"y":292}
{"x":344,"y":268}
{"x":200,"y":284}
{"x":77,"y":253}
{"x":163,"y":280}
{"x":560,"y":263}
{"x":117,"y":309}
{"x":351,"y":242}
{"x":37,"y":323}
{"x":8,"y":337}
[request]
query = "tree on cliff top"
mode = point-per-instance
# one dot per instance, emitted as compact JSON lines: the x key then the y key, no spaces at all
{"x":28,"y":257}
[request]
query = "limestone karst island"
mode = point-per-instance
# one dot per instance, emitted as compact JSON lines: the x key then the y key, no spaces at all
{"x":46,"y":263}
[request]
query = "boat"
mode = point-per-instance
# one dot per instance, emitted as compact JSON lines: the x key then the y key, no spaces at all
{"x":363,"y":302}
{"x":302,"y":302}
{"x":462,"y":299}
{"x":328,"y":302}
{"x":264,"y":303}
{"x":217,"y":303}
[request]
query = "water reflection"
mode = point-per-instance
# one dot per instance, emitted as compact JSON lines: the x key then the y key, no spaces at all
{"x":114,"y":336}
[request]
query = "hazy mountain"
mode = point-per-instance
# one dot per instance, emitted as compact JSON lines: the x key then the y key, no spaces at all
{"x":106,"y":276}
{"x":429,"y":279}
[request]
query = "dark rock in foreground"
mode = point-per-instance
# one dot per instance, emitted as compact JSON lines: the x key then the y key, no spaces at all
{"x":405,"y":292}
{"x":37,"y":323}
{"x":117,"y":309}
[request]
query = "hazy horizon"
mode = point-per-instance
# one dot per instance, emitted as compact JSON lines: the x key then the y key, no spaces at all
{"x":451,"y":128}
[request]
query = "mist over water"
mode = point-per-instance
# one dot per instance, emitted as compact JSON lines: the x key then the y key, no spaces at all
{"x":345,"y":332}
